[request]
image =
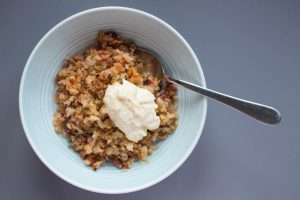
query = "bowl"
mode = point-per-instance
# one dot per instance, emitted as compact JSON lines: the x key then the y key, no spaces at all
{"x":37,"y":105}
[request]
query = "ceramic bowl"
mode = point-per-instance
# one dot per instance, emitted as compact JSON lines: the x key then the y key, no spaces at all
{"x":72,"y":35}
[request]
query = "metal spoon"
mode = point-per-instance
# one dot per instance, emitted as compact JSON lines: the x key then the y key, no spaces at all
{"x":260,"y":112}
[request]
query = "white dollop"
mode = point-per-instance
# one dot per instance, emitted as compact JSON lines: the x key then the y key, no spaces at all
{"x":132,"y":109}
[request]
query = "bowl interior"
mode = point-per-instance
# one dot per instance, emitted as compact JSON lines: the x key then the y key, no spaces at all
{"x":72,"y":36}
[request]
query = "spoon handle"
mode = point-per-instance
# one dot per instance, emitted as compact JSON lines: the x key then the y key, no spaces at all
{"x":260,"y":112}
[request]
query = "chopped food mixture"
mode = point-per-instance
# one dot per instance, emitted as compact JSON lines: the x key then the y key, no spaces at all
{"x":107,"y":109}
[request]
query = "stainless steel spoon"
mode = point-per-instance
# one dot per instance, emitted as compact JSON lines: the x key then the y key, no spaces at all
{"x":260,"y":112}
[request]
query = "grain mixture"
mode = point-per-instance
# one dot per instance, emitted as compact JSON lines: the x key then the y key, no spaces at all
{"x":80,"y":114}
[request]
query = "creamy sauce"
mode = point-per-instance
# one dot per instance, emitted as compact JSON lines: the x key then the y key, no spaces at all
{"x":132,"y":109}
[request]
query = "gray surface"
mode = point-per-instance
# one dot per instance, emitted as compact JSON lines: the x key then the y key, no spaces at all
{"x":250,"y":49}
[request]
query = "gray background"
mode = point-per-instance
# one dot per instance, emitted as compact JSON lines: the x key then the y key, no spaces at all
{"x":250,"y":49}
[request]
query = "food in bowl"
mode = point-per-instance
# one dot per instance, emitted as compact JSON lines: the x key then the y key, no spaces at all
{"x":108,"y":109}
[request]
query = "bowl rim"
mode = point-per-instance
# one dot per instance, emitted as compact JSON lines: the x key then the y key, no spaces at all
{"x":57,"y":172}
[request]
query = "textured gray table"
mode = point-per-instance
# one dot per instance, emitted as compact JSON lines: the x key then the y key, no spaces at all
{"x":250,"y":49}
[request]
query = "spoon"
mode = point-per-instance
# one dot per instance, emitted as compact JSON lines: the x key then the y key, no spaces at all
{"x":260,"y":112}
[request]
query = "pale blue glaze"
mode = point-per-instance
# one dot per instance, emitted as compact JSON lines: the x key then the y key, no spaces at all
{"x":36,"y":98}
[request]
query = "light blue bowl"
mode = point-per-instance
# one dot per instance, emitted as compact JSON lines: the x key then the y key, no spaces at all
{"x":36,"y":98}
